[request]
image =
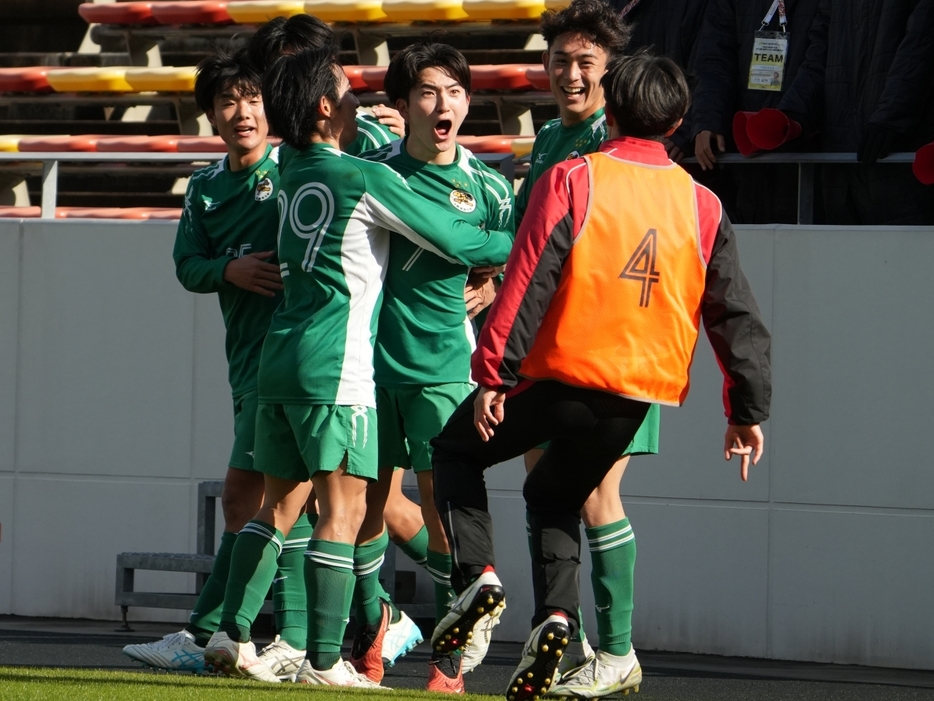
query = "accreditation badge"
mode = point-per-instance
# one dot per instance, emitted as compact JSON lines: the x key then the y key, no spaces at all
{"x":767,"y":68}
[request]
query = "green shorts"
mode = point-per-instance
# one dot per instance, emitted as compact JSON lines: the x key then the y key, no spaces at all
{"x":241,"y":455}
{"x":410,"y":417}
{"x":294,"y":441}
{"x":645,"y":442}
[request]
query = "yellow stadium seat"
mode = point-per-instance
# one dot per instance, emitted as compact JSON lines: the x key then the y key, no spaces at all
{"x":9,"y":143}
{"x":503,"y":9}
{"x":523,"y":146}
{"x":89,"y":80}
{"x":346,"y":10}
{"x":161,"y":79}
{"x":424,"y":10}
{"x":258,"y":11}
{"x":556,"y":4}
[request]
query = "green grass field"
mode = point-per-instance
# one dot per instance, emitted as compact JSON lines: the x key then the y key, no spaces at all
{"x":42,"y":684}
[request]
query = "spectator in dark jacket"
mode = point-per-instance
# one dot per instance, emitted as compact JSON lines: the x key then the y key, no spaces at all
{"x":866,"y":85}
{"x":765,"y":193}
{"x":669,"y":28}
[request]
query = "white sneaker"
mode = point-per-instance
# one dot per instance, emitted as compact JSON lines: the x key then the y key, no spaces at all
{"x":400,"y":639}
{"x":605,"y":674}
{"x":283,"y":659}
{"x":176,"y":651}
{"x":341,"y":674}
{"x":236,"y":659}
{"x":578,"y":654}
{"x":479,"y":644}
{"x":538,"y":667}
{"x":484,"y":595}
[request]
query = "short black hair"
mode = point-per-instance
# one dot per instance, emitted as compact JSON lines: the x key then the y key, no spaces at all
{"x":406,"y":66}
{"x":646,"y":94}
{"x":292,"y":88}
{"x":593,"y":19}
{"x":291,"y":35}
{"x":222,"y":72}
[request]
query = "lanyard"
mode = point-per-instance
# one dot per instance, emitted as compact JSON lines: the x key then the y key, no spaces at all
{"x":631,"y":5}
{"x":776,"y":5}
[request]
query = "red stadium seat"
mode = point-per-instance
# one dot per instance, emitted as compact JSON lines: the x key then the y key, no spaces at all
{"x":117,"y":13}
{"x":191,"y":12}
{"x":202,"y":144}
{"x":29,"y":79}
{"x":503,"y":77}
{"x":47,"y":144}
{"x":373,"y":77}
{"x":138,"y":144}
{"x":488,"y":144}
{"x":163,"y":213}
{"x":355,"y":76}
{"x":538,"y":77}
{"x":20,"y":212}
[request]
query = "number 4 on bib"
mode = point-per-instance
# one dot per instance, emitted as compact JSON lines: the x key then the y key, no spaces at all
{"x":641,"y":266}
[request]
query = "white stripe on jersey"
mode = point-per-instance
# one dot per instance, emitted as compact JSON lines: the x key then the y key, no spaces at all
{"x":391,"y":222}
{"x":364,"y":255}
{"x":415,"y":256}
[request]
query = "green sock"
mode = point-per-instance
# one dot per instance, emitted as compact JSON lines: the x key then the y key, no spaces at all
{"x":439,"y":567}
{"x":206,"y":615}
{"x":613,"y":552}
{"x":288,"y":587}
{"x":417,"y":547}
{"x":394,"y":613}
{"x":329,"y":579}
{"x":367,"y":559}
{"x":252,"y":568}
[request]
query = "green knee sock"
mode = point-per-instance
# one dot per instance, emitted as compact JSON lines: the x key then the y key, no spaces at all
{"x":288,"y":587}
{"x":252,"y":568}
{"x":206,"y":615}
{"x":367,"y":559}
{"x":439,"y":567}
{"x":613,"y":552}
{"x":329,"y":579}
{"x":417,"y":547}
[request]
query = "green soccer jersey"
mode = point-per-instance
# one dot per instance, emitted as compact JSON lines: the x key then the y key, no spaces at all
{"x":227,"y":215}
{"x":555,"y":143}
{"x":336,"y":214}
{"x":424,"y":334}
{"x":370,"y":135}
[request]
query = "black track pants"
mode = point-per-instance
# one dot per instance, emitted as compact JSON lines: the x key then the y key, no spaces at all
{"x":588,"y":430}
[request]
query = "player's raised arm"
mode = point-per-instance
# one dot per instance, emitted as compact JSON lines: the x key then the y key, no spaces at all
{"x":397,"y":208}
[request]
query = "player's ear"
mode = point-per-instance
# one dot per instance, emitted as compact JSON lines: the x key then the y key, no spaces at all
{"x":325,"y":107}
{"x":403,"y":107}
{"x":545,"y":58}
{"x":210,"y":115}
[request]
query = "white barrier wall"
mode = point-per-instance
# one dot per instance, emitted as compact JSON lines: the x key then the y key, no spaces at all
{"x":114,"y":405}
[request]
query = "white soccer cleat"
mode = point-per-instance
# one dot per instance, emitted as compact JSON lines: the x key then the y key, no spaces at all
{"x":604,"y":674}
{"x":283,"y":659}
{"x":341,"y":674}
{"x":479,"y":644}
{"x":176,"y":651}
{"x":538,"y":668}
{"x":484,"y":596}
{"x":578,"y":654}
{"x":236,"y":659}
{"x":400,"y":639}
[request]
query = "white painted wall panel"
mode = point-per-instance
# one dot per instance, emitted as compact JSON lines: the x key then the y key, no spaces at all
{"x":70,"y":529}
{"x":852,"y":587}
{"x":853,"y":334}
{"x":701,"y":577}
{"x":105,"y":376}
{"x":9,"y":338}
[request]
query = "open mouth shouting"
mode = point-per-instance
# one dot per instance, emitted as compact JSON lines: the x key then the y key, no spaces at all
{"x":443,"y":129}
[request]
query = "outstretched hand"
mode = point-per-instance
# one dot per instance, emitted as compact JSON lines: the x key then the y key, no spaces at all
{"x":253,"y":274}
{"x":390,"y":118}
{"x":488,"y":411}
{"x":744,"y":441}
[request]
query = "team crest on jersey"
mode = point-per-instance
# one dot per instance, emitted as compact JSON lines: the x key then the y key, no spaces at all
{"x":572,"y":155}
{"x":463,"y":201}
{"x":263,"y":190}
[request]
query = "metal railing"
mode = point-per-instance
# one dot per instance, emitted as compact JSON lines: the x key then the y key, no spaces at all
{"x":49,"y":162}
